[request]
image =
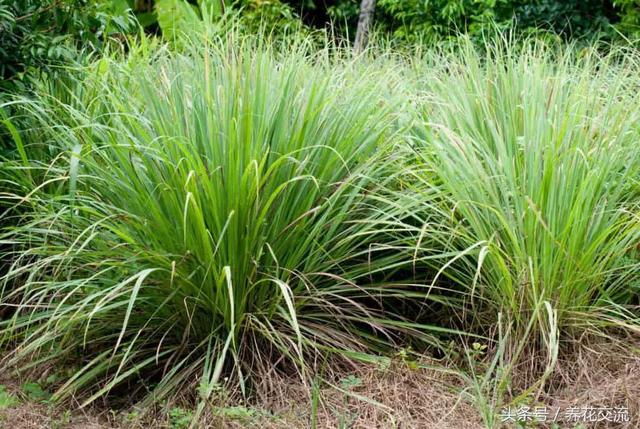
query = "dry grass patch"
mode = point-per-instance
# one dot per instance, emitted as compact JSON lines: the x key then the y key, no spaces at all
{"x":402,"y":395}
{"x":364,"y":397}
{"x":601,"y":375}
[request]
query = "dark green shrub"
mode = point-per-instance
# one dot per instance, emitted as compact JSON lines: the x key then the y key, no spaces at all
{"x":40,"y":35}
{"x":418,"y":19}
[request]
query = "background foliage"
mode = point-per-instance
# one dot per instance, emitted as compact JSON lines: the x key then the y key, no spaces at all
{"x":37,"y":35}
{"x":420,"y":19}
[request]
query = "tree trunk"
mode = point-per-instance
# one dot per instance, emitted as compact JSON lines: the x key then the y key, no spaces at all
{"x":367,"y":9}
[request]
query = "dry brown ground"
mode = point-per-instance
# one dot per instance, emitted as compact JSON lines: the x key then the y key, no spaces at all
{"x":398,"y":396}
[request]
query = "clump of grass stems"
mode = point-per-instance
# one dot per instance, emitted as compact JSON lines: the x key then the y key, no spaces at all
{"x":200,"y":218}
{"x":533,"y":153}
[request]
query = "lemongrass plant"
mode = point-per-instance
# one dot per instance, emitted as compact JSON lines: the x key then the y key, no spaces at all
{"x":201,"y":217}
{"x":534,"y":154}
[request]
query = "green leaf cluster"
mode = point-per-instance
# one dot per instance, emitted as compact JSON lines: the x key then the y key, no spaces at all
{"x":45,"y":35}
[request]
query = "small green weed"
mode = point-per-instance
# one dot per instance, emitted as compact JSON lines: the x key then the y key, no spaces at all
{"x":7,"y":400}
{"x":180,"y":418}
{"x":35,"y":392}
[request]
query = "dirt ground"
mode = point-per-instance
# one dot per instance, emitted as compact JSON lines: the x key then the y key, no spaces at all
{"x":399,"y":396}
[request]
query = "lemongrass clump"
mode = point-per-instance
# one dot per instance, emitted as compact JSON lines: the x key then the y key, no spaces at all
{"x":534,"y":153}
{"x":201,"y":219}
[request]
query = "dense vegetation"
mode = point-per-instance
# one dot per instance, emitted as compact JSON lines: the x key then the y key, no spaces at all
{"x":38,"y":36}
{"x":35,"y":36}
{"x":433,"y":20}
{"x":187,"y":216}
